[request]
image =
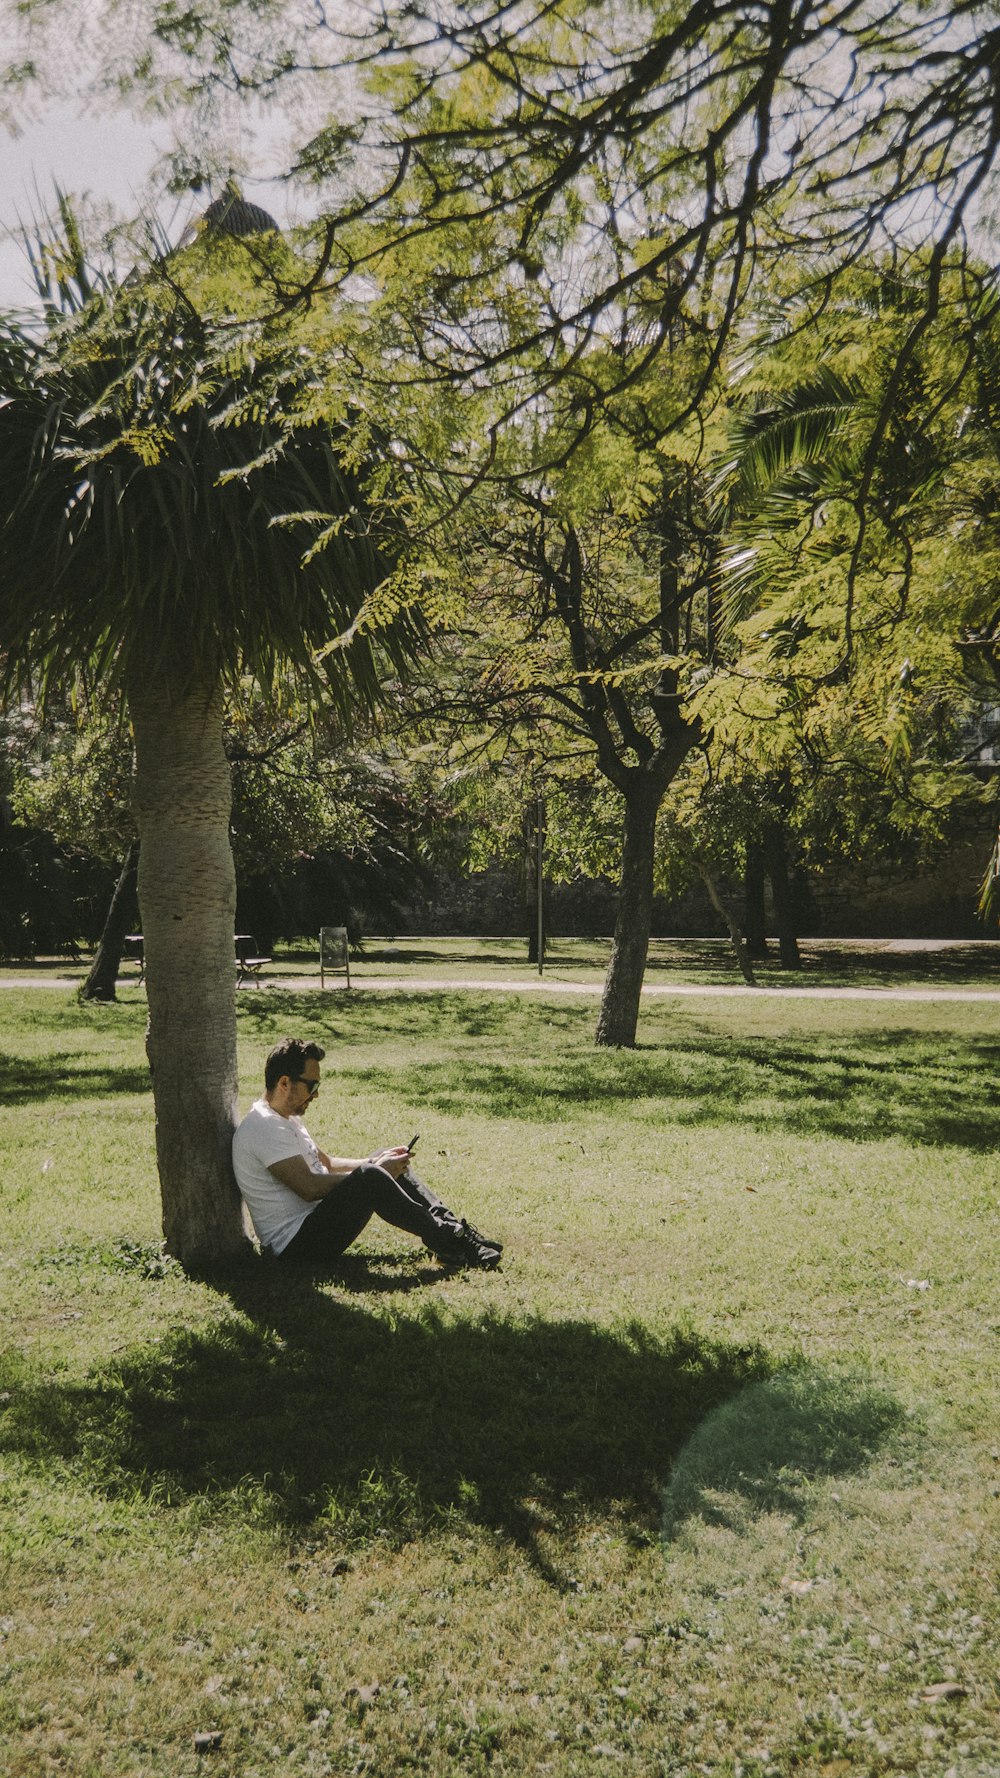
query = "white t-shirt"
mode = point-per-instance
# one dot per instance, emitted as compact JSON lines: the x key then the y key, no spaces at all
{"x":262,"y":1138}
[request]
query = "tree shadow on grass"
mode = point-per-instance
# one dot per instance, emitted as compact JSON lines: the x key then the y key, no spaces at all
{"x":865,"y":1087}
{"x":309,"y":1411}
{"x":846,"y":965}
{"x":65,"y":1074}
{"x":358,"y":1018}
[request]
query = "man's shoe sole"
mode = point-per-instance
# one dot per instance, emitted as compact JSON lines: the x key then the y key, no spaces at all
{"x":486,"y":1260}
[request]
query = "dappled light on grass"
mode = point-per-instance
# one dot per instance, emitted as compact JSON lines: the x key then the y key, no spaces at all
{"x":867,"y":1089}
{"x":67,"y":1074}
{"x":832,"y":1075}
{"x":763,"y":1450}
{"x":241,"y":1507}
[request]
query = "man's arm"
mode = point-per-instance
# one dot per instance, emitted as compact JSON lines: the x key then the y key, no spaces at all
{"x":297,"y":1174}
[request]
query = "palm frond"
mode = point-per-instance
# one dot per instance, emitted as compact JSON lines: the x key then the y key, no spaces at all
{"x":989,"y":889}
{"x":773,"y":440}
{"x":150,"y":506}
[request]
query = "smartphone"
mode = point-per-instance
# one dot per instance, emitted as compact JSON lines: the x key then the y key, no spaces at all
{"x":411,"y":1145}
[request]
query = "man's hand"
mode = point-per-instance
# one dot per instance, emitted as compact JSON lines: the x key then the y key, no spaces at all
{"x":394,"y":1160}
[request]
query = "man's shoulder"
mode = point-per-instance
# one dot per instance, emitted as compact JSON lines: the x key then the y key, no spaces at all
{"x":259,"y":1113}
{"x":260,"y":1125}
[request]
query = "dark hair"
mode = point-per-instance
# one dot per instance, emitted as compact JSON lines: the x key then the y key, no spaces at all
{"x":289,"y":1057}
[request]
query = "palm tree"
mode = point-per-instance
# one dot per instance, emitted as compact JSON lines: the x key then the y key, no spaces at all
{"x":155,"y":533}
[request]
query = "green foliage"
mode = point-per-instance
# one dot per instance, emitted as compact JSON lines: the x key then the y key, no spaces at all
{"x":323,"y":836}
{"x":290,"y":797}
{"x":841,"y":696}
{"x":319,"y":831}
{"x":487,"y":806}
{"x":517,"y":185}
{"x":989,"y":894}
{"x":547,"y":239}
{"x":75,"y":784}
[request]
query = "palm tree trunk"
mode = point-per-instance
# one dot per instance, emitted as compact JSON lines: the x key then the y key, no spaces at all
{"x":619,"y":1014}
{"x":187,"y":899}
{"x":100,"y":983}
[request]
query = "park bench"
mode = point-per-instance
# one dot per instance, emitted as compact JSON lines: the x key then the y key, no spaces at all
{"x":134,"y":951}
{"x":248,"y":963}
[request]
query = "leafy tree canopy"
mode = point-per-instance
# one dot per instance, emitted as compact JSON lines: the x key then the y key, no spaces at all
{"x":515,"y":184}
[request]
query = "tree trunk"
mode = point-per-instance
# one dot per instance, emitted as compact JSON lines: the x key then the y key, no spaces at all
{"x":187,"y":899}
{"x":531,"y":916}
{"x":731,"y":923}
{"x":753,"y":901}
{"x":777,"y":870}
{"x":100,"y":983}
{"x":619,"y":1014}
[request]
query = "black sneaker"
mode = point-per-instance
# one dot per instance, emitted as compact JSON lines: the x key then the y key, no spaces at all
{"x":484,"y":1240}
{"x":463,"y":1247}
{"x":483,"y":1254}
{"x":448,"y":1248}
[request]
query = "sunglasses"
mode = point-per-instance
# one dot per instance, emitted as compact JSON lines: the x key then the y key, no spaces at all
{"x":313,"y":1085}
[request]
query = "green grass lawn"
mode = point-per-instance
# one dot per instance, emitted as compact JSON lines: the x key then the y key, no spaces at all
{"x":705,"y":1480}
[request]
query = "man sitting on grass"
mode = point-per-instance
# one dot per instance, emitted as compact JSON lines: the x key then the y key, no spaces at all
{"x":306,"y":1206}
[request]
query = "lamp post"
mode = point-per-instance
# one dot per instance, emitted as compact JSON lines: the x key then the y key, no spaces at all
{"x":539,"y":873}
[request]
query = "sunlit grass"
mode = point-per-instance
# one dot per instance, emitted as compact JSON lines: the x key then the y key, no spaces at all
{"x":703,"y":1480}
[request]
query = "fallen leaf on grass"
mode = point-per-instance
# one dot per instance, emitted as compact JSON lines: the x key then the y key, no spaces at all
{"x":947,"y":1688}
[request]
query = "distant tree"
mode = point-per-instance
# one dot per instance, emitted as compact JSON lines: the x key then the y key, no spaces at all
{"x":329,"y":828}
{"x":77,"y":787}
{"x":581,"y":624}
{"x":850,"y":573}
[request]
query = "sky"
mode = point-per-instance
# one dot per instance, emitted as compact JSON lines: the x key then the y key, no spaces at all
{"x":105,"y":156}
{"x":108,"y":156}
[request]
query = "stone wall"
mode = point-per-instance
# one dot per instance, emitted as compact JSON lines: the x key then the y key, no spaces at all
{"x":939,"y":902}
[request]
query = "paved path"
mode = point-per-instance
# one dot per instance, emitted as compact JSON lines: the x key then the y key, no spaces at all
{"x":658,"y":990}
{"x":554,"y":985}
